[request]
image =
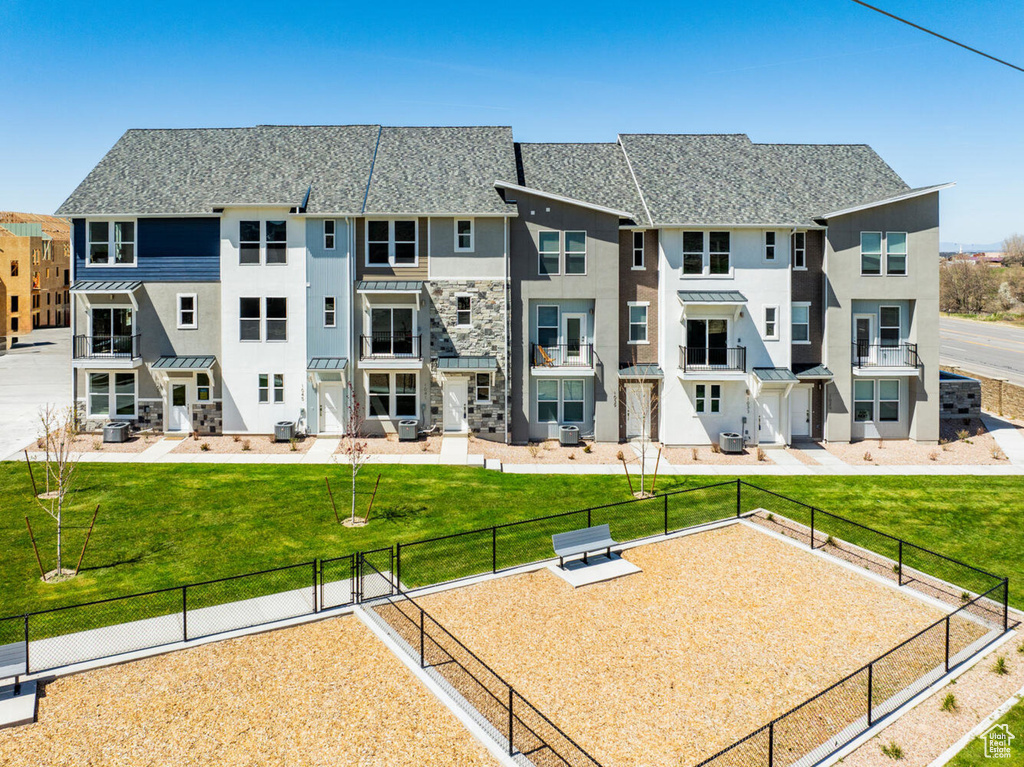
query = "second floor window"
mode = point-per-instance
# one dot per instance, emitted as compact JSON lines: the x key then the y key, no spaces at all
{"x":896,"y":253}
{"x":638,"y":250}
{"x":329,"y":234}
{"x":769,"y":246}
{"x":111,"y":243}
{"x":870,"y":253}
{"x":638,"y":323}
{"x":187,"y":311}
{"x":889,"y":330}
{"x":483,"y":387}
{"x":575,"y":252}
{"x":330,"y":314}
{"x":799,"y":250}
{"x":771,"y":323}
{"x":391,"y":243}
{"x":718,"y":252}
{"x":268,"y":237}
{"x":277,"y":319}
{"x":463,"y":311}
{"x":249,"y":319}
{"x":548,"y":247}
{"x":464,"y":234}
{"x":801,"y":323}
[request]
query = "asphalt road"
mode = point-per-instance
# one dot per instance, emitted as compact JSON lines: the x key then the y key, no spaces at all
{"x":36,"y":372}
{"x":983,"y":347}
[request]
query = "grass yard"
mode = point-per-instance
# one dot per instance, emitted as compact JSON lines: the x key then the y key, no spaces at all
{"x":166,"y":525}
{"x":974,"y":754}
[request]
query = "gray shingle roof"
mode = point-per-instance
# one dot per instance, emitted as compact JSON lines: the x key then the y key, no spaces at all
{"x":594,"y":173}
{"x":727,"y":179}
{"x":184,"y":171}
{"x":441,"y":170}
{"x":711,"y":297}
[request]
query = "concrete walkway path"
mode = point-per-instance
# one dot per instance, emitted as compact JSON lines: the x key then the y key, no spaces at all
{"x":1007,"y":436}
{"x":455,"y":449}
{"x":322,"y":451}
{"x":782,"y":457}
{"x":821,"y":455}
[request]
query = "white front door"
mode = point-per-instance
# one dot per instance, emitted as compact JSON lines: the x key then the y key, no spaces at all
{"x":768,"y":418}
{"x":800,"y":412}
{"x":638,"y":410}
{"x":456,"y":396}
{"x":178,"y":419}
{"x":331,"y":407}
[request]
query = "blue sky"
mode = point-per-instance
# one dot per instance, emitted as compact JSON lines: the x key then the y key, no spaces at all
{"x":78,"y":75}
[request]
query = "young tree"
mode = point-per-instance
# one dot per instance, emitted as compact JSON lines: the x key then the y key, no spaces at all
{"x":60,"y":428}
{"x":641,"y":400}
{"x":1013,"y":250}
{"x":354,"y":445}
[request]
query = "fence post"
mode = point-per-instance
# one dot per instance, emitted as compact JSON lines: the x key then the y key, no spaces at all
{"x":589,"y":517}
{"x":738,"y":494}
{"x":665,"y":497}
{"x":26,"y":644}
{"x":423,"y":659}
{"x":315,"y":610}
{"x":184,"y":613}
{"x":812,"y":527}
{"x":947,"y":644}
{"x":511,"y":750}
{"x":494,"y":549}
{"x":398,"y":567}
{"x":771,"y":742}
{"x":1006,"y":605}
{"x":899,"y":572}
{"x":871,"y":668}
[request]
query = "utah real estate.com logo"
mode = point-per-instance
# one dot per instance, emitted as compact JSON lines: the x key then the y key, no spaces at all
{"x":997,"y":742}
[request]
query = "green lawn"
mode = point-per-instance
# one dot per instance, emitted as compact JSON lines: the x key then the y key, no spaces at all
{"x":166,"y":525}
{"x":974,"y":754}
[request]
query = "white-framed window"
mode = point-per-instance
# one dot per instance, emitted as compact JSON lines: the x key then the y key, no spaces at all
{"x":204,"y":387}
{"x":801,"y":324}
{"x":560,"y":401}
{"x":863,"y":400}
{"x":464,"y":310}
{"x":799,"y":250}
{"x":330,"y":312}
{"x":483,"y":387}
{"x":250,"y":318}
{"x":572,"y":400}
{"x":329,"y":236}
{"x":870,"y":253}
{"x":693,"y":252}
{"x":769,"y":246}
{"x":188,"y":316}
{"x":549,"y":245}
{"x":249,"y":242}
{"x":547,"y":400}
{"x":271,"y":386}
{"x":464,"y":235}
{"x":718,"y":252}
{"x":575,"y":252}
{"x":392,"y":242}
{"x":547,"y":326}
{"x":889,"y":400}
{"x":771,"y":323}
{"x":277,"y":242}
{"x":889,"y":326}
{"x":707,"y":398}
{"x":638,"y":250}
{"x":896,"y":253}
{"x":392,"y":395}
{"x":110,"y":243}
{"x":638,"y":322}
{"x":111,"y":395}
{"x":267,"y":237}
{"x":277,"y":318}
{"x":263,"y":384}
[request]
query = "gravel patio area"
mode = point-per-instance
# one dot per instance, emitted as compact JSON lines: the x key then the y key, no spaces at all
{"x":258,"y":444}
{"x":328,"y":693}
{"x":722,"y":631}
{"x":429,"y":445}
{"x":92,"y":443}
{"x":550,"y":451}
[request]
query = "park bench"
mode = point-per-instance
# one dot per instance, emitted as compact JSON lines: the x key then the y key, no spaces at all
{"x":14,"y":663}
{"x":583,"y":541}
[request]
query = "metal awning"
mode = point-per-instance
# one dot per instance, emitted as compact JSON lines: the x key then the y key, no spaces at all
{"x":813,"y":373}
{"x":193,"y":362}
{"x":775,"y":375}
{"x":650,"y":370}
{"x":711,"y":297}
{"x":106,"y":286}
{"x":327,"y":363}
{"x":468,"y":364}
{"x":391,"y":286}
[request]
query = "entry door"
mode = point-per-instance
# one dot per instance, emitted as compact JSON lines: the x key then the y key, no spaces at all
{"x":179,"y":419}
{"x":331,"y":408}
{"x":638,"y":411}
{"x":768,"y":429}
{"x":864,"y":334}
{"x":800,"y":412}
{"x":574,"y":333}
{"x":456,"y":396}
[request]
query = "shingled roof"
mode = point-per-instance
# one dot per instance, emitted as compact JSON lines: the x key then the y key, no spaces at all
{"x":593,"y":173}
{"x":727,"y":179}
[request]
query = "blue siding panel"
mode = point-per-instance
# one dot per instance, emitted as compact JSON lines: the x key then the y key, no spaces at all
{"x":167,"y":250}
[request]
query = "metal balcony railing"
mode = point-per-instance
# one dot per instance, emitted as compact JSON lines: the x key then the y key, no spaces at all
{"x":901,"y":355}
{"x":696,"y":359}
{"x":575,"y":355}
{"x":107,"y":347}
{"x":390,"y":346}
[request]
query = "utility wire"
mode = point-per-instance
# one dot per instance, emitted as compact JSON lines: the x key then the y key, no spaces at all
{"x":941,"y":37}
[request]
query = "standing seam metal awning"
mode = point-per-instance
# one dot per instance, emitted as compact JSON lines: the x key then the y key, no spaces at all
{"x":327,"y":363}
{"x":467,"y":363}
{"x":184,"y":363}
{"x":711,"y":297}
{"x":107,"y":286}
{"x":649,"y":370}
{"x":775,"y":375}
{"x":817,"y":372}
{"x":389,"y":287}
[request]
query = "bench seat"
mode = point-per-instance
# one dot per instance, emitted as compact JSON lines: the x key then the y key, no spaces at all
{"x":583,"y":541}
{"x":13,"y":662}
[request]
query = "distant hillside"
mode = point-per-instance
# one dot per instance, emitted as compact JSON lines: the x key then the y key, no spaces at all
{"x":970,"y":247}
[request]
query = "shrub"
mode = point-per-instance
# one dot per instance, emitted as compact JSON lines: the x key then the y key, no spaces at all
{"x":588,"y":448}
{"x":235,"y":438}
{"x":949,"y":703}
{"x":893,"y":751}
{"x":533,"y":449}
{"x":979,"y":432}
{"x":998,"y":454}
{"x":293,"y":444}
{"x":881,"y":444}
{"x":716,"y":448}
{"x":761,"y":454}
{"x":933,"y":455}
{"x":97,"y":444}
{"x":964,"y":597}
{"x":771,"y":518}
{"x":571,"y":456}
{"x":246,"y":446}
{"x":205,"y":446}
{"x":964,"y":436}
{"x":693,"y":452}
{"x":1000,"y":667}
{"x":867,"y":457}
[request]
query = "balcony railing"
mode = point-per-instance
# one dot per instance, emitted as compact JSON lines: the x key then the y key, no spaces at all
{"x":390,"y":346}
{"x":699,"y":359}
{"x":562,"y":355}
{"x":902,"y":355}
{"x":107,"y":347}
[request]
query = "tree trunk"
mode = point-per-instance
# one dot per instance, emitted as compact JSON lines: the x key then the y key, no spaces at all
{"x":353,"y":488}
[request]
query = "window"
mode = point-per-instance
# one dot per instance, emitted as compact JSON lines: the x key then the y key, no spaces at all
{"x":771,"y":323}
{"x":863,"y":401}
{"x":870,"y":253}
{"x":111,"y":394}
{"x":483,"y":387}
{"x":463,"y":311}
{"x":379,"y":390}
{"x":547,"y":326}
{"x":277,"y":242}
{"x":889,"y":325}
{"x":799,"y":250}
{"x":693,"y":252}
{"x":187,"y":311}
{"x":769,"y":246}
{"x":329,"y":234}
{"x":278,"y":387}
{"x":575,"y":252}
{"x":277,"y":319}
{"x":391,"y":243}
{"x":248,"y":242}
{"x":14,"y":304}
{"x":47,"y":252}
{"x":264,"y":387}
{"x":203,"y":387}
{"x":14,"y":324}
{"x":330,"y":314}
{"x":638,"y":250}
{"x":405,"y":395}
{"x":14,"y":268}
{"x":392,"y":395}
{"x":548,"y":244}
{"x":249,"y":319}
{"x":547,"y":400}
{"x":638,"y":323}
{"x":464,"y":234}
{"x":708,"y":398}
{"x":391,"y":331}
{"x":718,"y":252}
{"x":895,"y":252}
{"x":801,"y":323}
{"x":889,"y":400}
{"x":265,"y":390}
{"x":111,"y":243}
{"x":572,"y":400}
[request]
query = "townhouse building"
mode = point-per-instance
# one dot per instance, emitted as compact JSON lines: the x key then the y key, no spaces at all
{"x":675,"y":286}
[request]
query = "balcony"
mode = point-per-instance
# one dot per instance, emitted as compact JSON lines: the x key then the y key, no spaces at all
{"x":872,"y":359}
{"x":701,"y":359}
{"x":107,"y":351}
{"x":556,"y":358}
{"x":397,"y":350}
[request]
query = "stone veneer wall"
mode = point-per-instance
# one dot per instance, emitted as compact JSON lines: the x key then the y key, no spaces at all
{"x":208,"y":418}
{"x":486,"y":338}
{"x":151,"y":415}
{"x":998,"y":395}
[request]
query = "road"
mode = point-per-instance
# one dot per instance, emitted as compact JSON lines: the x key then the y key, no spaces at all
{"x":987,"y":348}
{"x":36,"y":372}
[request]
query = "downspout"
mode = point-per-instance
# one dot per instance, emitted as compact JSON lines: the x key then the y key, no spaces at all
{"x":74,"y":319}
{"x":508,"y":340}
{"x":824,"y":332}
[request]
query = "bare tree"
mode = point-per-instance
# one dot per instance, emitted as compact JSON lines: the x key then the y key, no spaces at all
{"x":641,"y":399}
{"x":964,"y":287}
{"x":354,"y":445}
{"x":1013,"y":250}
{"x":60,"y":428}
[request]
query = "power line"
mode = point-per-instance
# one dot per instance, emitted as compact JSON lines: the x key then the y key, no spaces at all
{"x":941,"y":37}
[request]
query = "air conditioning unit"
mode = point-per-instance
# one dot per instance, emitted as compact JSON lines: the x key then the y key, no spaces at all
{"x":569,"y":436}
{"x":284,"y":431}
{"x":408,"y":430}
{"x":116,"y":431}
{"x":730,"y":442}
